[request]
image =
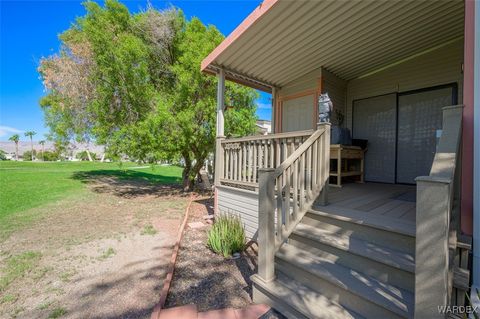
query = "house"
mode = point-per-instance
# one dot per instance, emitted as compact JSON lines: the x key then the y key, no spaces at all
{"x":264,"y":127}
{"x":403,"y":75}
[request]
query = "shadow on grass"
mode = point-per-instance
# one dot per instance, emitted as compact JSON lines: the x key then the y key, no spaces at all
{"x":129,"y":183}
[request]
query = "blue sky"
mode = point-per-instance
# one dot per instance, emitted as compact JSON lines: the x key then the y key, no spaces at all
{"x":29,"y":30}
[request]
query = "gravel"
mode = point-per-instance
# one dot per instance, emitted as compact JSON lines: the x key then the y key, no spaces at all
{"x":206,"y":279}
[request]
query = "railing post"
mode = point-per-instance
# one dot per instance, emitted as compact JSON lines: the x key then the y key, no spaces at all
{"x":431,"y":246}
{"x":323,"y":197}
{"x":266,"y":225}
{"x":219,"y":169}
{"x":218,"y":160}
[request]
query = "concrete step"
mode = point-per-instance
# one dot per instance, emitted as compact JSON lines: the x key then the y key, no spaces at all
{"x":295,"y":300}
{"x":360,"y":292}
{"x":381,"y":230}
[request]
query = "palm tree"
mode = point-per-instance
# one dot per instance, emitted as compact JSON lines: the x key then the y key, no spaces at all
{"x":42,"y":142}
{"x":15,"y":138}
{"x":31,"y":134}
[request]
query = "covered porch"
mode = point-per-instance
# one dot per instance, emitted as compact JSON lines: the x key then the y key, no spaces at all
{"x":394,"y":72}
{"x":394,"y":201}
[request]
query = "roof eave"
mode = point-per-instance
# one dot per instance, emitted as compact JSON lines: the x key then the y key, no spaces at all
{"x":241,"y":79}
{"x":253,"y":17}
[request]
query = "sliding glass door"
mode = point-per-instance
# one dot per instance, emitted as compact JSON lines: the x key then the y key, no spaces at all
{"x":402,"y":131}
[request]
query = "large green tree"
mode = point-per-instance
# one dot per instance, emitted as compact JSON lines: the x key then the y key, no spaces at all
{"x":133,"y":83}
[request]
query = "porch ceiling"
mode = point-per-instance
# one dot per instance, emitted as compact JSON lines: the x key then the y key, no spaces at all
{"x":283,"y":39}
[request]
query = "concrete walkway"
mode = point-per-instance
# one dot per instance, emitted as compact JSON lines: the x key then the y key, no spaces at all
{"x":190,"y":312}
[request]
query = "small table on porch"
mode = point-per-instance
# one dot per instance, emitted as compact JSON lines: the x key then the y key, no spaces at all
{"x":346,"y":153}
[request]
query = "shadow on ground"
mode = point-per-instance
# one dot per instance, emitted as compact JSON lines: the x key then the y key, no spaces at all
{"x":207,"y":203}
{"x":129,"y":183}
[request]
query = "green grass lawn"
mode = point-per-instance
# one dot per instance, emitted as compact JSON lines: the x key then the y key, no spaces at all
{"x":25,"y":185}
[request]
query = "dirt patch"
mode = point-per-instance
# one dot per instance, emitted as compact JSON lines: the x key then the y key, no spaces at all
{"x":204,"y":278}
{"x":102,"y":255}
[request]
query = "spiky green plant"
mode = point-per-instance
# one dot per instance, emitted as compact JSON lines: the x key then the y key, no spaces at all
{"x":227,"y":235}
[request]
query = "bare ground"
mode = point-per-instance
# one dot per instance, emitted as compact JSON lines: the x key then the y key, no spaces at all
{"x":103,"y":255}
{"x":204,"y":278}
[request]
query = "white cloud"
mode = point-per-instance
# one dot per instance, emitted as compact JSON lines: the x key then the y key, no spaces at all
{"x":6,"y":130}
{"x":261,"y":105}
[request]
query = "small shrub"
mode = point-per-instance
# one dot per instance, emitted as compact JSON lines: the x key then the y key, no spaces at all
{"x":57,"y":313}
{"x":8,"y":298}
{"x":108,"y":253}
{"x":83,"y":156}
{"x":48,"y":156}
{"x":44,"y":305}
{"x":227,"y":235}
{"x":27,"y":155}
{"x":148,"y":230}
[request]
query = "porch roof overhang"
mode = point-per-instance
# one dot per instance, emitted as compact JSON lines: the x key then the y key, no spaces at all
{"x":282,"y":40}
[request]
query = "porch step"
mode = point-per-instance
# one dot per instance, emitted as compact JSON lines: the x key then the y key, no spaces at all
{"x":380,"y":230}
{"x":364,"y":294}
{"x":298,"y":301}
{"x":349,"y":243}
{"x":364,"y":218}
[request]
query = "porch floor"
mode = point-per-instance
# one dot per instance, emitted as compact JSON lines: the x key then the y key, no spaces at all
{"x":390,"y":200}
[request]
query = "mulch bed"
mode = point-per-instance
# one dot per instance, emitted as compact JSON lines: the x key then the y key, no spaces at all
{"x":206,"y":279}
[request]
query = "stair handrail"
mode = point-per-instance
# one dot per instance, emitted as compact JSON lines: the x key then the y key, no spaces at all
{"x":437,"y":202}
{"x":287,"y":192}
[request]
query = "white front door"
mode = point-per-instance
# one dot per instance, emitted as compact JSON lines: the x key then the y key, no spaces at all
{"x":297,"y":114}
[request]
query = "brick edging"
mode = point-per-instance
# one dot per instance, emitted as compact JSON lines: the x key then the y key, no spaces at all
{"x":171,"y":267}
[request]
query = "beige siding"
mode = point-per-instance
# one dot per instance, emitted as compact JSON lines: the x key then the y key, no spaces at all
{"x":243,"y":203}
{"x":298,"y":113}
{"x":438,"y":67}
{"x":304,"y":83}
{"x":310,"y":84}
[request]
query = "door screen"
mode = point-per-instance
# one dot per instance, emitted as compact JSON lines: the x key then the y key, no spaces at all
{"x":419,"y":124}
{"x":374,"y":119}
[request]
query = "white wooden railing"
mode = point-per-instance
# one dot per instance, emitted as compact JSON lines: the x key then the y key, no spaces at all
{"x":241,"y":158}
{"x":287,"y":192}
{"x":437,"y":205}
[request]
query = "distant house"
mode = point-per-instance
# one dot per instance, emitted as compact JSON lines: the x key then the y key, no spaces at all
{"x":73,"y":148}
{"x":396,"y":242}
{"x":264,"y":127}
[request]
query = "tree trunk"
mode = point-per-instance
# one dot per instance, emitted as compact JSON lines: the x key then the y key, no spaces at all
{"x":16,"y":150}
{"x":186,"y":184}
{"x":89,"y":156}
{"x":31,"y":144}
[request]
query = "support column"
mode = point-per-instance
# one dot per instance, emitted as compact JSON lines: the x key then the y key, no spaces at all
{"x":274,"y":103}
{"x":266,"y":225}
{"x":468,"y":116}
{"x":431,"y":246}
{"x":220,"y":103}
{"x":220,"y":134}
{"x":323,"y":196}
{"x":476,"y":159}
